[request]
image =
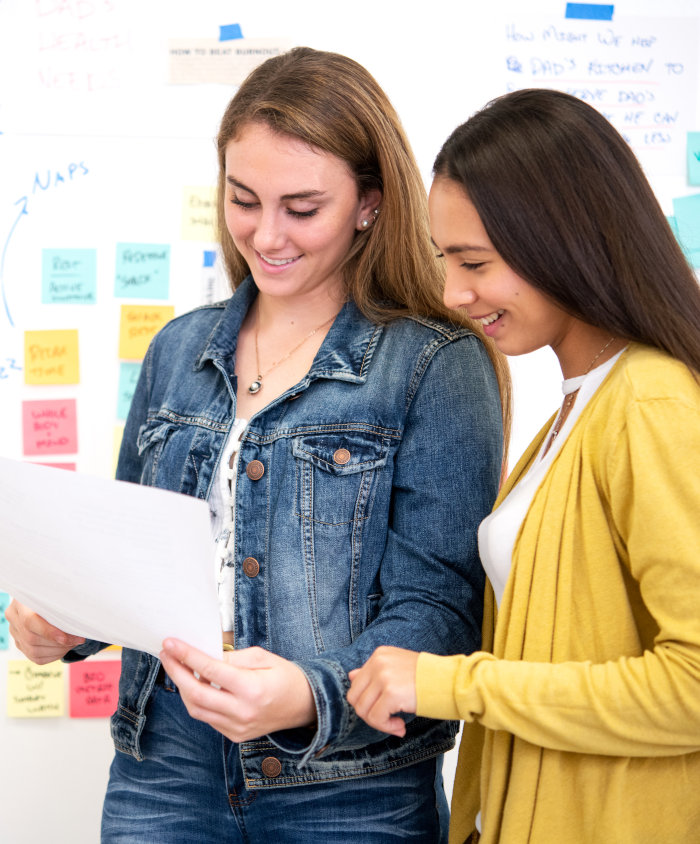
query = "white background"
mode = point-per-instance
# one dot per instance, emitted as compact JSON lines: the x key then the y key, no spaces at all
{"x":86,"y":81}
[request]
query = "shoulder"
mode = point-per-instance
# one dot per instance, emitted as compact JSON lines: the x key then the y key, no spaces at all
{"x":646,"y":374}
{"x":430,"y":329}
{"x":195,"y":320}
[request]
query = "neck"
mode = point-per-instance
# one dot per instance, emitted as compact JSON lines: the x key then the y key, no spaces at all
{"x":585,"y":348}
{"x":273,"y":312}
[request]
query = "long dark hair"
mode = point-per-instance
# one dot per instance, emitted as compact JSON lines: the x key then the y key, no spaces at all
{"x":565,"y":203}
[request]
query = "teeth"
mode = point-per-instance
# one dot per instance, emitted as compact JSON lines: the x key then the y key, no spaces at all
{"x":279,"y":263}
{"x":487,"y":320}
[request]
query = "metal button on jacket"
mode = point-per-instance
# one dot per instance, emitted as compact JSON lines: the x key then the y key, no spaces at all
{"x":271,"y":766}
{"x":255,"y":470}
{"x":251,"y":566}
{"x":341,"y":456}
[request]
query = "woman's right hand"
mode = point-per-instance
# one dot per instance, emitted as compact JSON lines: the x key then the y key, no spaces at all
{"x":38,"y":640}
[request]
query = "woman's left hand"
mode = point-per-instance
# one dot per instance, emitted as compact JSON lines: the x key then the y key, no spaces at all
{"x":385,"y":684}
{"x":259,"y":692}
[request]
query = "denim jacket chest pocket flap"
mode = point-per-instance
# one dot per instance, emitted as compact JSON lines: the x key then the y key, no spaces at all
{"x":336,"y":474}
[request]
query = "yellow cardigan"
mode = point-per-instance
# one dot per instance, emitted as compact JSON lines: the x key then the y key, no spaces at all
{"x":589,"y":707}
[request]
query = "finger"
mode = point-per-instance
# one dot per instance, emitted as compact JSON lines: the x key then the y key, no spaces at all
{"x":213,"y":670}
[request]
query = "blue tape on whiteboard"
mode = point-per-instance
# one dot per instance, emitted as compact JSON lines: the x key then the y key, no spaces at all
{"x":230,"y":31}
{"x":589,"y":11}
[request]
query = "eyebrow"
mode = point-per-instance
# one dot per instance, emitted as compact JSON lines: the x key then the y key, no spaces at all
{"x":302,"y":194}
{"x":461,"y":247}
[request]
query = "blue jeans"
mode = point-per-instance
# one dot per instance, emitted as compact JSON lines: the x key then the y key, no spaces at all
{"x":190,"y":788}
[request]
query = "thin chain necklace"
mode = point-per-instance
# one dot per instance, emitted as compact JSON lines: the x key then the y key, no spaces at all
{"x":257,"y":385}
{"x":569,"y":400}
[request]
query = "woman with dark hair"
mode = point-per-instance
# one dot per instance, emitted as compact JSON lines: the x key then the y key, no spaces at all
{"x":586,"y":709}
{"x":318,"y":410}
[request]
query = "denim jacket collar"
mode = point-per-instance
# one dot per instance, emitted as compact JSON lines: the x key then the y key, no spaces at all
{"x":344,"y":355}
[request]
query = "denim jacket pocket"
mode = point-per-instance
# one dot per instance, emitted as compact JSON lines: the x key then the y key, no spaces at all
{"x":337,"y":481}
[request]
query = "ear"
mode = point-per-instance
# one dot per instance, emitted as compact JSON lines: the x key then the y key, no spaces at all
{"x":369,"y":208}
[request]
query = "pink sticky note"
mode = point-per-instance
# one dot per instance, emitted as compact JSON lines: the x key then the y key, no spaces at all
{"x":70,"y":466}
{"x":94,"y":688}
{"x":50,"y":426}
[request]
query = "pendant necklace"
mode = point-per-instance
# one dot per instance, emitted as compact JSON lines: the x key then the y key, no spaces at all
{"x":569,"y":400}
{"x":257,"y":385}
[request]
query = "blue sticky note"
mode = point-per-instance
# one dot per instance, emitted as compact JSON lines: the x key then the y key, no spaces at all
{"x":209,"y":257}
{"x":69,"y":276}
{"x":142,"y":271}
{"x":4,"y":626}
{"x":230,"y":31}
{"x":128,"y":376}
{"x":589,"y":11}
{"x":686,"y":210}
{"x":693,"y":158}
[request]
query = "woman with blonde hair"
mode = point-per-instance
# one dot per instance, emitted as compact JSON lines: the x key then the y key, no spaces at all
{"x":320,"y":411}
{"x":588,"y":703}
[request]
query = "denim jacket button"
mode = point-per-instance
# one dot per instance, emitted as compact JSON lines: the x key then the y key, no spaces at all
{"x":255,"y":470}
{"x":271,"y":766}
{"x":341,"y":456}
{"x":251,"y":566}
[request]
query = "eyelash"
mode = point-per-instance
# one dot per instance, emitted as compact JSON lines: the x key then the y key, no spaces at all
{"x":466,"y":265}
{"x":247,"y":206}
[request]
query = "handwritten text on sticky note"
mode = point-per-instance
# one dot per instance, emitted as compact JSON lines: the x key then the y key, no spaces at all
{"x":50,"y":426}
{"x":69,"y":276}
{"x":94,"y":688}
{"x":51,"y":357}
{"x":139,"y":323}
{"x":199,"y":214}
{"x":35,"y":691}
{"x":142,"y":271}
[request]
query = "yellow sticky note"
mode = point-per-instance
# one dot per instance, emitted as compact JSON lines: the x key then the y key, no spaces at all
{"x":139,"y":324}
{"x":51,"y":357}
{"x":35,"y":691}
{"x":199,"y":214}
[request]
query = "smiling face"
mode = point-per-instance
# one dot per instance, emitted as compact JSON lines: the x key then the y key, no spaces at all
{"x":293,"y":212}
{"x":515,"y":314}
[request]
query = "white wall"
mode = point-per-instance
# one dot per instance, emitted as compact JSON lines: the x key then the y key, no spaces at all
{"x":86,"y":81}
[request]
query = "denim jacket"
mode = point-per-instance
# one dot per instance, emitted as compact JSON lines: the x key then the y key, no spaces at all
{"x":373,"y":473}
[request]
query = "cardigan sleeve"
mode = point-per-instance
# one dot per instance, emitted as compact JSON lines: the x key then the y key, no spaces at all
{"x":641,"y":705}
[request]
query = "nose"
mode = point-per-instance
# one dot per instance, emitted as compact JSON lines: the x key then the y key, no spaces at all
{"x":270,"y":233}
{"x":456,"y":293}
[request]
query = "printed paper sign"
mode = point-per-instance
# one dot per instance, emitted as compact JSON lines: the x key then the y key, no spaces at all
{"x":199,"y":214}
{"x":94,"y":688}
{"x":139,"y":324}
{"x":142,"y":271}
{"x":196,"y":61}
{"x":69,"y":276}
{"x":50,"y":426}
{"x":51,"y":357}
{"x":35,"y":691}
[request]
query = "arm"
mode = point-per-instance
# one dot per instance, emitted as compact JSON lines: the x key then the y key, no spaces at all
{"x":431,"y":580}
{"x":38,"y":640}
{"x":647,"y":705}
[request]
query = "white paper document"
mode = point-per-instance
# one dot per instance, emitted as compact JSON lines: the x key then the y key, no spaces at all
{"x":108,"y":560}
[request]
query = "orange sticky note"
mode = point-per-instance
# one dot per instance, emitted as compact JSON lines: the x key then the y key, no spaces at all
{"x":50,"y":426}
{"x":94,"y":688}
{"x":139,"y":324}
{"x":35,"y":691}
{"x":51,"y":357}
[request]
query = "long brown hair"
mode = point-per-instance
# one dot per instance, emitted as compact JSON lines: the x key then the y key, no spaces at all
{"x":332,"y":103}
{"x":565,"y":203}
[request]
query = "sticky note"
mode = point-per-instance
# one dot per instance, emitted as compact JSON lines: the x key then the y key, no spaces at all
{"x":50,"y":426}
{"x":589,"y":11}
{"x":35,"y":691}
{"x":199,"y":214}
{"x":694,"y":158}
{"x":230,"y":31}
{"x":686,"y":210}
{"x":128,"y":376}
{"x":51,"y":357}
{"x":139,"y":324}
{"x":69,"y":276}
{"x":4,"y":626}
{"x":71,"y":467}
{"x":93,"y":688}
{"x":142,"y":271}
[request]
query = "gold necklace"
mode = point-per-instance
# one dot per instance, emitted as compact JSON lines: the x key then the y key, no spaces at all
{"x":569,"y":400}
{"x":257,"y":385}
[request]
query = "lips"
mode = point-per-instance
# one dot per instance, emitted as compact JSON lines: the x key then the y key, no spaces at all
{"x":489,"y":318}
{"x":278,"y":262}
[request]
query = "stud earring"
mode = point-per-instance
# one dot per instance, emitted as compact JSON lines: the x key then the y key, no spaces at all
{"x":364,"y":224}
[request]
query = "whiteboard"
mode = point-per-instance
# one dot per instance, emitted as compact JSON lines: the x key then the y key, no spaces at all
{"x":97,"y":148}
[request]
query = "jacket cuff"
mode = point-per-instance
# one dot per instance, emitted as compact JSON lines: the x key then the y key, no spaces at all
{"x":88,"y":648}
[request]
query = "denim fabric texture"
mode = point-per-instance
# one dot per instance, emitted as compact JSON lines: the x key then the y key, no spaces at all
{"x":375,"y":548}
{"x":190,"y":789}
